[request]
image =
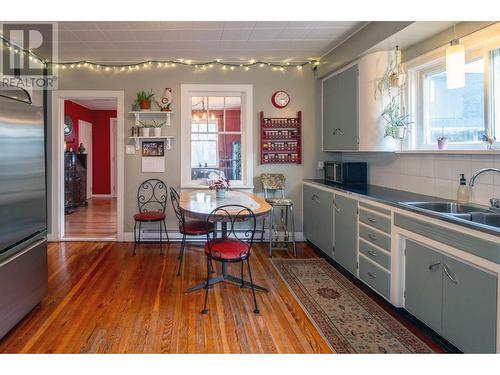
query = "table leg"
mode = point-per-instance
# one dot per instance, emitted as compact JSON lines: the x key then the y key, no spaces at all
{"x":271,"y":214}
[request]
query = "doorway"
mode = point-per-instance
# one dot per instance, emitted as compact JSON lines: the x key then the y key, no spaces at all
{"x":87,"y":180}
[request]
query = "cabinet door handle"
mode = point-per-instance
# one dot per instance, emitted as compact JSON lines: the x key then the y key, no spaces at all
{"x":338,"y":131}
{"x":372,"y":253}
{"x":335,"y":206}
{"x":450,"y":276}
{"x":434,"y":265}
{"x":315,"y":198}
{"x":371,"y":219}
{"x":372,"y":237}
{"x":372,"y":275}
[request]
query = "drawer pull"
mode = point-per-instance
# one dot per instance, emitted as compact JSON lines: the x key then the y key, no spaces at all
{"x":372,"y":237}
{"x":372,"y":253}
{"x":371,"y":219}
{"x":371,"y":274}
{"x":450,"y":276}
{"x":434,"y":265}
{"x":338,"y":131}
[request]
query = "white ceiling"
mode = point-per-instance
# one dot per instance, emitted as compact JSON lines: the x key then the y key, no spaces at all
{"x":97,"y":104}
{"x":228,"y":41}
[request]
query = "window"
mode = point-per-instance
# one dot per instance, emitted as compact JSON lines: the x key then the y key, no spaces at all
{"x":457,"y":114}
{"x":464,"y":115}
{"x":216,"y":140}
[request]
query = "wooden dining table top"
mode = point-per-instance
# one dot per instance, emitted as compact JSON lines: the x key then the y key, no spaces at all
{"x":200,"y":203}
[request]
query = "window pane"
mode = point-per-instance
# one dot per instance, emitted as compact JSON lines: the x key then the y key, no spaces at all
{"x":230,"y":155}
{"x":216,"y":111}
{"x":457,"y":114}
{"x":198,"y":108}
{"x":495,"y":92}
{"x":233,"y":113}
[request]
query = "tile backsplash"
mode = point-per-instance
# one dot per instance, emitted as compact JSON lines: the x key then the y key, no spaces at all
{"x":430,"y":174}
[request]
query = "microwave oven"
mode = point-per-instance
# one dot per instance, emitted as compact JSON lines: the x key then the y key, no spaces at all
{"x":345,"y":172}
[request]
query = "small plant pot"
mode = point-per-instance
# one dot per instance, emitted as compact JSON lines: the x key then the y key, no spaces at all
{"x":442,"y":144}
{"x":145,"y":132}
{"x":220,"y":193}
{"x":400,"y":132}
{"x":145,"y":105}
{"x":157,"y":132}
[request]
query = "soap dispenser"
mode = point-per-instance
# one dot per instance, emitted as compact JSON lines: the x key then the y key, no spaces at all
{"x":463,"y":192}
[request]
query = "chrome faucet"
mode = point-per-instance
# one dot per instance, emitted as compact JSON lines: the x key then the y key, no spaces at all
{"x":481,"y":171}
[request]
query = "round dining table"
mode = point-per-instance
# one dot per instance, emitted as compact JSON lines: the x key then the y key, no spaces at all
{"x":198,"y":204}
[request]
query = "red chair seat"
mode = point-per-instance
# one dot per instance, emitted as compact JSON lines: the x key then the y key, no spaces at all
{"x":227,"y":249}
{"x":196,"y":228}
{"x":149,"y":216}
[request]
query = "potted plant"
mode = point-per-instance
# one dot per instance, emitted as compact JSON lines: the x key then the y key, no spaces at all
{"x":145,"y":128}
{"x":220,"y":186}
{"x":157,"y":128}
{"x":396,"y":122}
{"x":442,"y":141}
{"x":143,"y":99}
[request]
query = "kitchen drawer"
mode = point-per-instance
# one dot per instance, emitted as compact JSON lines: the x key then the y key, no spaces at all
{"x":379,"y":256}
{"x":375,"y":276}
{"x":375,"y":220}
{"x":375,"y":237}
{"x":375,"y":208}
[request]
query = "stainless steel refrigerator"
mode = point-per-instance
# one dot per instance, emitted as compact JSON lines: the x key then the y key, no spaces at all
{"x":23,"y":222}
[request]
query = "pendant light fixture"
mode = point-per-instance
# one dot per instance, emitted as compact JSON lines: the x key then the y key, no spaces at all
{"x":455,"y":64}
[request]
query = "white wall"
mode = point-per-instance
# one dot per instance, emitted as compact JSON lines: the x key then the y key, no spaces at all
{"x":430,"y":174}
{"x":299,"y":84}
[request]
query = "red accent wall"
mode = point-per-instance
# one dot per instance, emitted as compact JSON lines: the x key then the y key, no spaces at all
{"x":101,"y":161}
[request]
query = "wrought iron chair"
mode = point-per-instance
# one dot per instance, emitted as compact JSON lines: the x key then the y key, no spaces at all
{"x":234,"y":245}
{"x":152,"y":201}
{"x":187,"y":227}
{"x":274,"y":184}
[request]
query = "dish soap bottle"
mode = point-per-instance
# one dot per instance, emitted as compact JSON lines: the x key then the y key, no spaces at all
{"x":463,"y":192}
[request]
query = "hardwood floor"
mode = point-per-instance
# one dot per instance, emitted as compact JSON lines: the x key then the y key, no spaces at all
{"x":97,"y":220}
{"x":103,"y":300}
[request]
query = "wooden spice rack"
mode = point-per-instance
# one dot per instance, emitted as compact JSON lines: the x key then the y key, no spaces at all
{"x":281,"y":139}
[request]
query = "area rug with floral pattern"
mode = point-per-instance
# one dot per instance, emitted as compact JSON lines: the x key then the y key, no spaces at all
{"x":349,"y":320}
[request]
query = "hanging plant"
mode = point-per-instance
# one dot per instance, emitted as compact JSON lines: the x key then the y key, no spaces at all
{"x":396,"y":123}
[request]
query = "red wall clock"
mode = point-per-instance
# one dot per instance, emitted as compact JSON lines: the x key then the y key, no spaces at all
{"x":280,"y":99}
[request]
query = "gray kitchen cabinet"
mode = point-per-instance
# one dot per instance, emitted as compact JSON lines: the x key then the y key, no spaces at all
{"x":340,"y":111}
{"x":457,"y":300}
{"x":346,"y":232}
{"x":319,"y":218}
{"x":469,"y":307}
{"x":423,"y":281}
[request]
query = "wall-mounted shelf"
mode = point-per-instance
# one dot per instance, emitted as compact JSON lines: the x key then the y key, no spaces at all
{"x":167,"y":138}
{"x":280,"y":139}
{"x":145,"y":114}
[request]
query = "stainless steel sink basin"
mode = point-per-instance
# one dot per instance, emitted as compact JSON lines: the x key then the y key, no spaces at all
{"x":486,"y":218}
{"x":472,"y":212}
{"x":448,"y":207}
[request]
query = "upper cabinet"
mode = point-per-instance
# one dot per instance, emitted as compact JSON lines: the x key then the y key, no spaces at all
{"x":352,"y":108}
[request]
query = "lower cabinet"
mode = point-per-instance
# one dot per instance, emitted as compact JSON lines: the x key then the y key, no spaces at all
{"x":457,"y":300}
{"x":346,"y":232}
{"x":319,"y":218}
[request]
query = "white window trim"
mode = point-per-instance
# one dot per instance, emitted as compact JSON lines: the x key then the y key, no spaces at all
{"x":247,"y":155}
{"x":476,"y":45}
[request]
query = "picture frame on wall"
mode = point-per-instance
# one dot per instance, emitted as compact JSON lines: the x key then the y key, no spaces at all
{"x":153,"y":148}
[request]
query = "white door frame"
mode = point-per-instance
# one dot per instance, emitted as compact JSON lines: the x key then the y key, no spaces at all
{"x":89,"y":156}
{"x":57,"y":158}
{"x":113,"y":130}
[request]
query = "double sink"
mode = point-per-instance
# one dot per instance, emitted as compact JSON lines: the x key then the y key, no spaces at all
{"x":471,"y":212}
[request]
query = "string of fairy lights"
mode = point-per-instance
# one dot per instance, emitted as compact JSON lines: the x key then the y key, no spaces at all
{"x":148,"y":64}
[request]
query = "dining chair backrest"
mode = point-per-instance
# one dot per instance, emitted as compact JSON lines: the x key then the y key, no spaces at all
{"x":175,"y":198}
{"x":273,"y":182}
{"x":152,"y":196}
{"x":232,"y":214}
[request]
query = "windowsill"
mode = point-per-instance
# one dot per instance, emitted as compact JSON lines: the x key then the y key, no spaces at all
{"x":451,"y":152}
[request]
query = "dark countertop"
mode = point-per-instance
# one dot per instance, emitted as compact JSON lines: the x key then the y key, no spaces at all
{"x":397,"y":198}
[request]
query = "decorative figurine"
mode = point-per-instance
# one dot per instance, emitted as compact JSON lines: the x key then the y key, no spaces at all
{"x":81,"y":148}
{"x":166,"y":100}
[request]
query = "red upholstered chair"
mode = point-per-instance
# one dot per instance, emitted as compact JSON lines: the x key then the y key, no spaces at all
{"x":187,"y":227}
{"x":234,"y":245}
{"x":152,"y":201}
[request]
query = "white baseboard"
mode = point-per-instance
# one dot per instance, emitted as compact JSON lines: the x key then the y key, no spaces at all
{"x":177,"y":237}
